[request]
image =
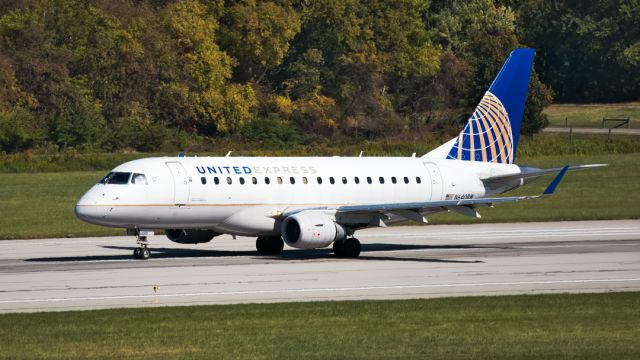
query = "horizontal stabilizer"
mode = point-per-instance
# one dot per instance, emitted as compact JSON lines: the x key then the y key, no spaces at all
{"x":527,"y":175}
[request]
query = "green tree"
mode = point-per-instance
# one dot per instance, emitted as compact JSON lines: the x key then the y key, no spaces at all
{"x":79,"y":123}
{"x":258,"y":35}
{"x":588,"y":51}
{"x":199,"y":88}
{"x":19,"y":130}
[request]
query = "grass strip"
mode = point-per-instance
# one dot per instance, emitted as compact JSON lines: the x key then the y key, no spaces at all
{"x":581,"y":326}
{"x":590,"y":115}
{"x":543,"y":144}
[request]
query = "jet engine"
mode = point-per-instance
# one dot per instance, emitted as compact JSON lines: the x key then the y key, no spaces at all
{"x":310,"y":231}
{"x":184,"y":236}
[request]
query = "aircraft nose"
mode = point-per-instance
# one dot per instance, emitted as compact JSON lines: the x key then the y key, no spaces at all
{"x":87,"y":209}
{"x":85,"y":212}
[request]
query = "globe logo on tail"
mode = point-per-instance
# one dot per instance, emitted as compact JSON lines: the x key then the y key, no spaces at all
{"x":487,"y":136}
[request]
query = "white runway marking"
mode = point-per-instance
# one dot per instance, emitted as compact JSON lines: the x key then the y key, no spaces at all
{"x":306,"y":290}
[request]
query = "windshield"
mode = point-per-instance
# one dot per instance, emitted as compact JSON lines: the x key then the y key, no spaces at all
{"x":118,"y":178}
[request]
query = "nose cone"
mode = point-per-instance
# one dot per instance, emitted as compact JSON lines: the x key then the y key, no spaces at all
{"x":87,"y":208}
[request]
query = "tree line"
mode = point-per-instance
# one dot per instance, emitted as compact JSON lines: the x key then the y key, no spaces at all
{"x":157,"y":74}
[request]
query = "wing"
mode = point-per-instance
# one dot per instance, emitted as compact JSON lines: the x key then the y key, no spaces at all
{"x":415,"y":210}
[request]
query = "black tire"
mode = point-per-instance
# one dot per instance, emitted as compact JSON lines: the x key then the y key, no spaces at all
{"x":262,"y":246}
{"x":275,"y":245}
{"x":136,"y":253}
{"x":338,"y":248}
{"x":144,"y":253}
{"x":351,"y":248}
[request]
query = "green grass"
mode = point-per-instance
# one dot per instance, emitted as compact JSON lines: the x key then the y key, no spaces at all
{"x":587,"y":326}
{"x":590,"y":115}
{"x":37,"y":205}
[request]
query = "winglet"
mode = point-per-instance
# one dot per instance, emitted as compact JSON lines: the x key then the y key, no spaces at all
{"x":554,"y":184}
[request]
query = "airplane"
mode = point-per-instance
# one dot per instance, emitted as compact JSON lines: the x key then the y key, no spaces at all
{"x":315,"y":202}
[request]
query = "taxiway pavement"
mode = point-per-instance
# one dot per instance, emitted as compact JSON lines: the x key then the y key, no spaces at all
{"x":396,"y":262}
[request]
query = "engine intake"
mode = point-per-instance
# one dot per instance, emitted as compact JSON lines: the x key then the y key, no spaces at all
{"x":188,"y":236}
{"x":311,"y":231}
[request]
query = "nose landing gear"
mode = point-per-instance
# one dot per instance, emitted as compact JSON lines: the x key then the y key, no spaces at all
{"x":142,"y":251}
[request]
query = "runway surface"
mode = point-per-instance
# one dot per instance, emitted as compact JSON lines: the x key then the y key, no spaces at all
{"x":396,"y":262}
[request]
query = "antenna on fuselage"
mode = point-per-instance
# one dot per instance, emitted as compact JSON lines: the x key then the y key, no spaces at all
{"x":413,"y":155}
{"x":361,"y":152}
{"x":229,"y":153}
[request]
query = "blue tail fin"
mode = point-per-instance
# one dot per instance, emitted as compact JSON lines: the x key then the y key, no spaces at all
{"x":491,"y":134}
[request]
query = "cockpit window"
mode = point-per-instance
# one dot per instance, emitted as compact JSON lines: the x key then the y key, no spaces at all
{"x":139,"y":179}
{"x":118,"y":178}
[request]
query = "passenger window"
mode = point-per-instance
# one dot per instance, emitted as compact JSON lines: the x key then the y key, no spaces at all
{"x":216,"y":180}
{"x":304,"y":180}
{"x":203,"y":180}
{"x":139,"y":179}
{"x":369,"y":180}
{"x":279,"y":180}
{"x":357,"y":180}
{"x":332,"y":180}
{"x":241,"y":180}
{"x":254,"y":181}
{"x":393,"y":179}
{"x":319,"y":180}
{"x":406,"y":180}
{"x":418,"y":180}
{"x":381,"y":180}
{"x":292,"y":180}
{"x":116,"y":178}
{"x":267,"y":180}
{"x":229,"y":181}
{"x":344,"y":179}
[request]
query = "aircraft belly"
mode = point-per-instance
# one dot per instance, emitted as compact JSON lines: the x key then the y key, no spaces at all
{"x":183,"y":217}
{"x":251,"y":221}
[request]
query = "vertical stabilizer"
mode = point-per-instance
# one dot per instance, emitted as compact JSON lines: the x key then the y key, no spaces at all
{"x":492,"y":132}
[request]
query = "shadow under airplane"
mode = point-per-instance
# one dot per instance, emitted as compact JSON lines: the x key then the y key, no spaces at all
{"x":368,"y":253}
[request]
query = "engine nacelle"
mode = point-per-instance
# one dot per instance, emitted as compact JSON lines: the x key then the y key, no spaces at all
{"x":311,"y":231}
{"x":188,"y":236}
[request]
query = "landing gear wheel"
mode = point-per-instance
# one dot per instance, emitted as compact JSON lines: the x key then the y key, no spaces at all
{"x":272,"y":245}
{"x":338,"y":248}
{"x":276,"y":244}
{"x":351,"y":248}
{"x":141,"y":253}
{"x":261,"y":246}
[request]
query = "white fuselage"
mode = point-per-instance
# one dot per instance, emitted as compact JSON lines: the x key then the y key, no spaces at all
{"x":244,"y":195}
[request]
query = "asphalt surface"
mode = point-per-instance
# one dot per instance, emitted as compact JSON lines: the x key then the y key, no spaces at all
{"x":396,"y":262}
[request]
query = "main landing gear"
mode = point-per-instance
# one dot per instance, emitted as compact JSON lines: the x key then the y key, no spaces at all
{"x":347,"y":248}
{"x":270,"y":245}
